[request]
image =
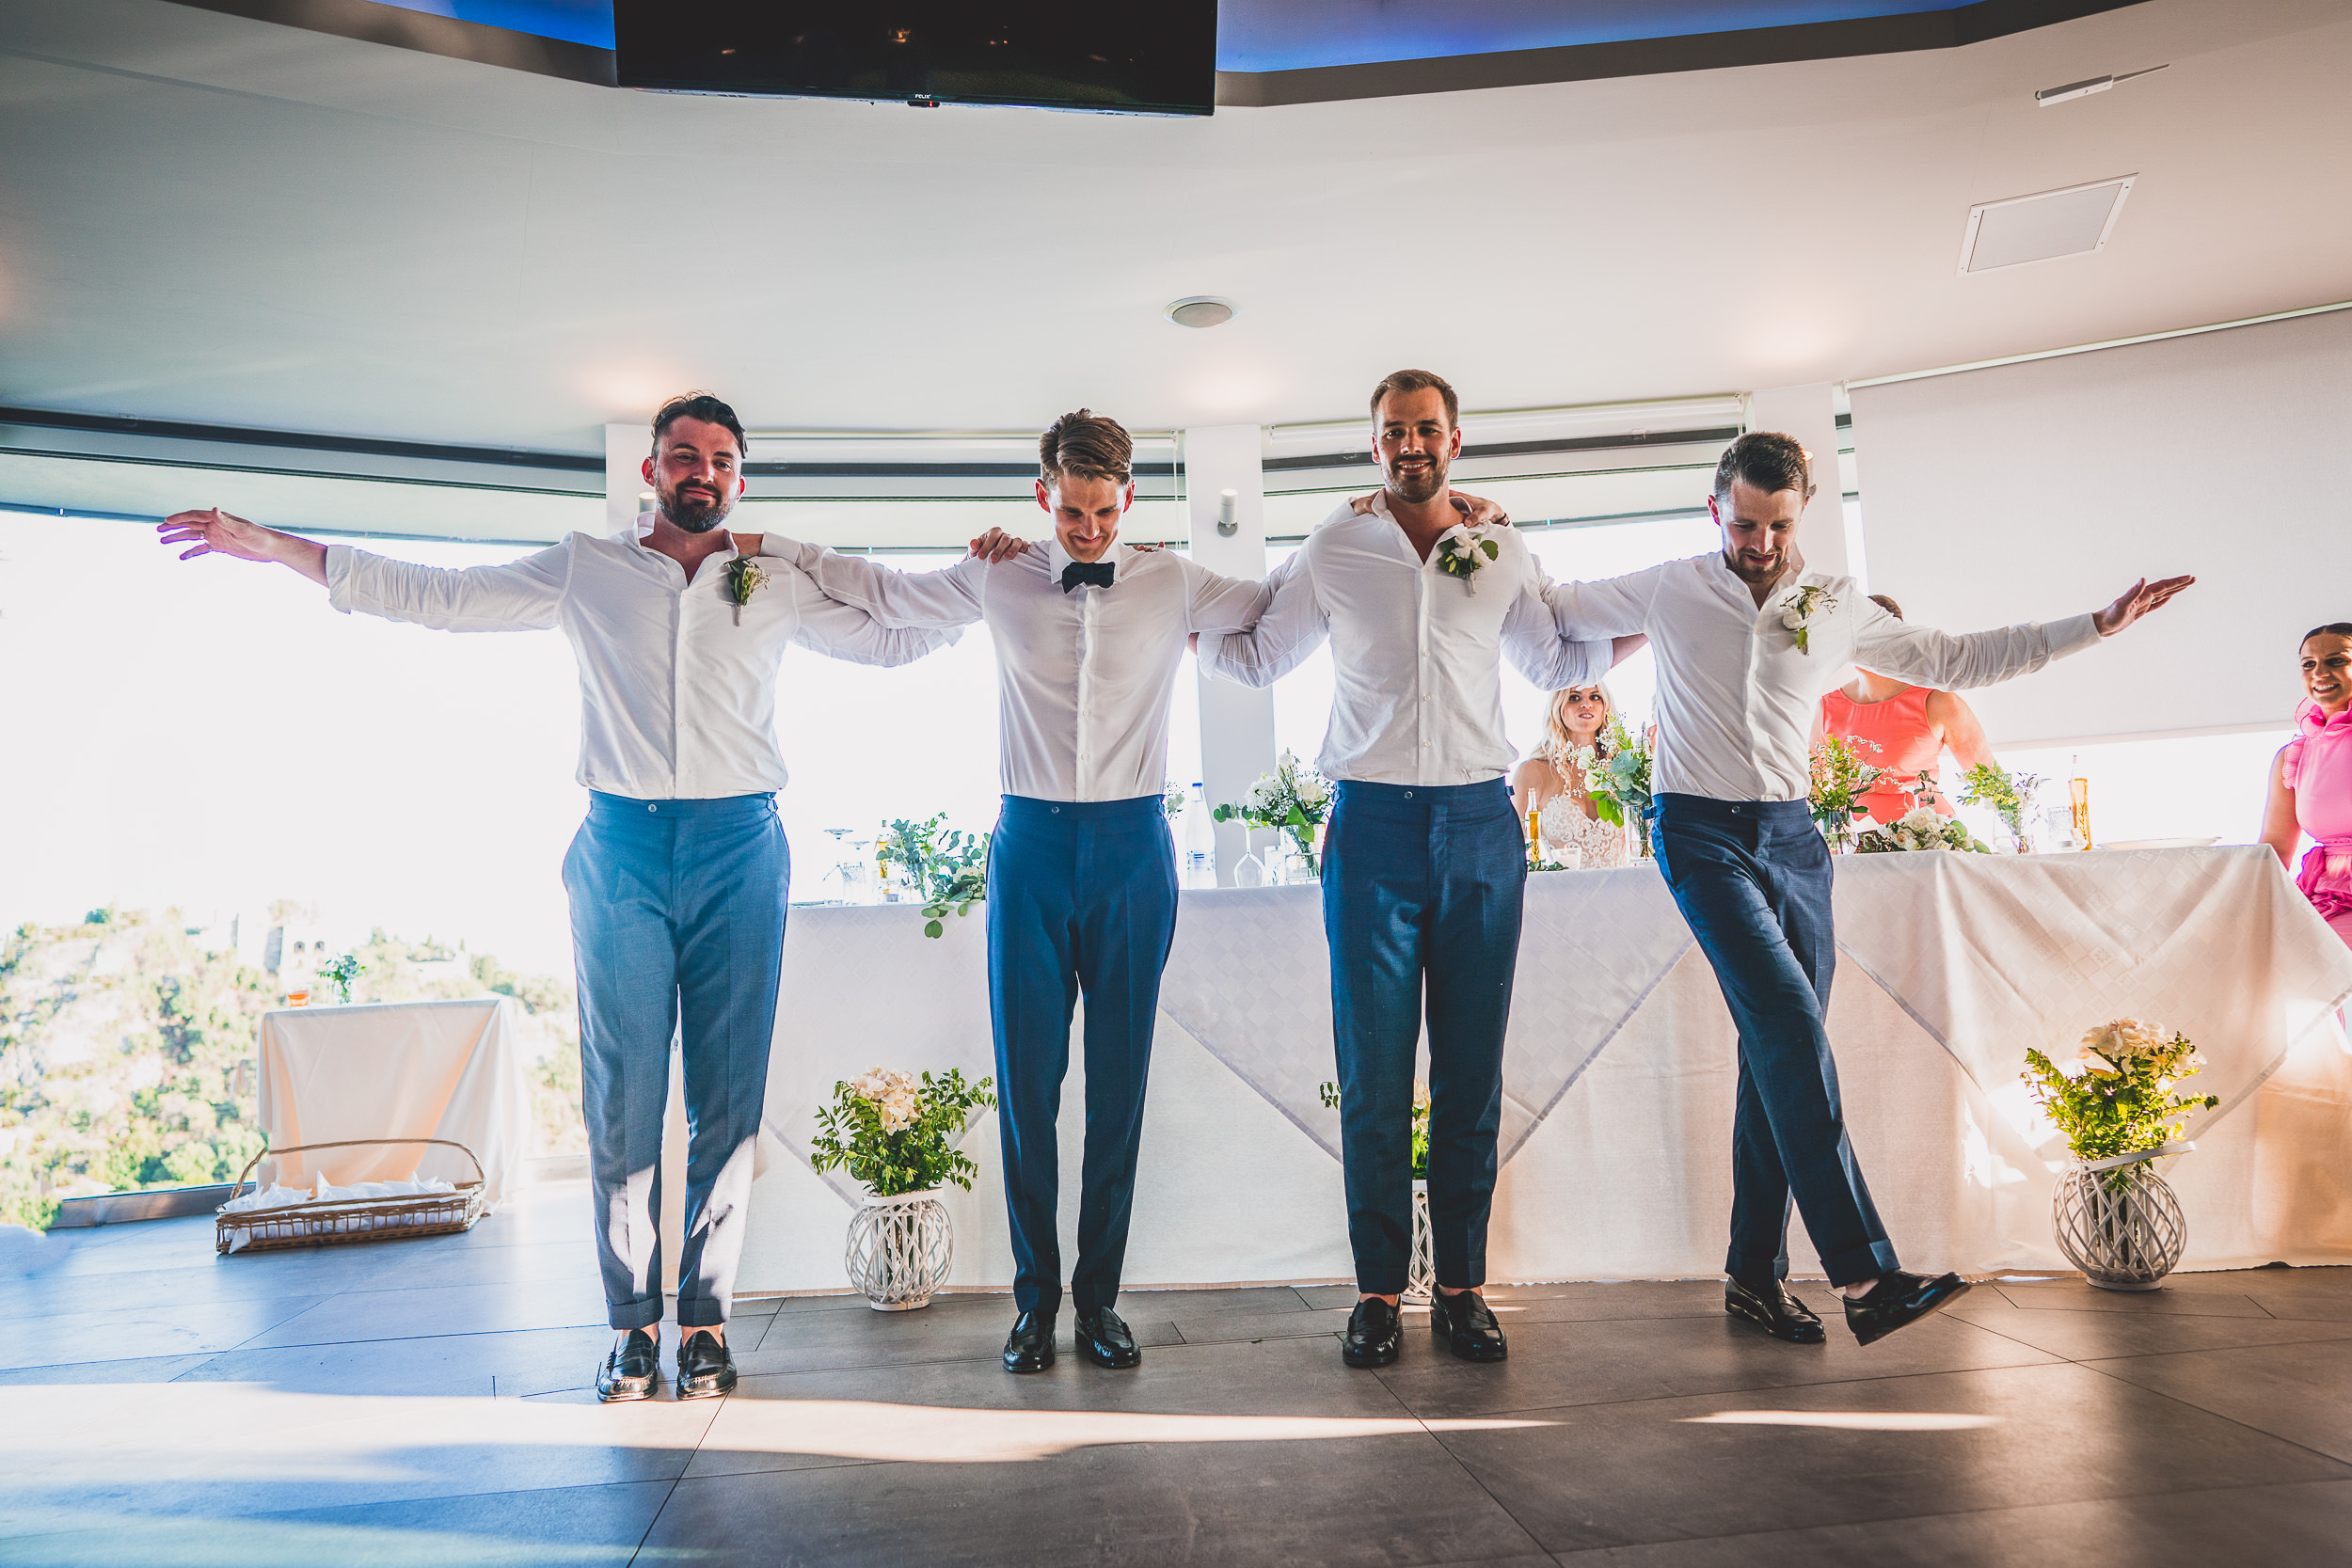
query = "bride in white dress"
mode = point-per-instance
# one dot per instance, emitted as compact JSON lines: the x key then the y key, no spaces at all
{"x":1551,"y":784}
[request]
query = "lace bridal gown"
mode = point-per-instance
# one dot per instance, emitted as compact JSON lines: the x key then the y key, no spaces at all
{"x":1562,"y":821}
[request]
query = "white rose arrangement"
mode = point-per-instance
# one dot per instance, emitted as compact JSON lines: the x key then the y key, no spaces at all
{"x":1293,"y":799}
{"x":2116,"y":1096}
{"x":892,"y":1129}
{"x":1920,"y":828}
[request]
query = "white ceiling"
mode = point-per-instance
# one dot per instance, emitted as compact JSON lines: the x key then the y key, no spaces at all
{"x":204,"y":217}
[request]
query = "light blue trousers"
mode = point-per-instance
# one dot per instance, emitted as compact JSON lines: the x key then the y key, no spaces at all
{"x":677,"y":928}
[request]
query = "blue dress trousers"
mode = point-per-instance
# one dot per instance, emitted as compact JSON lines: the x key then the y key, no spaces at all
{"x":678,"y":927}
{"x":1420,"y":881}
{"x":1753,"y":878}
{"x":1081,"y":900}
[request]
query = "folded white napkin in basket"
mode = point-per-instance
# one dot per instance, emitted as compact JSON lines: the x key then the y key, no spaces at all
{"x":274,"y":1196}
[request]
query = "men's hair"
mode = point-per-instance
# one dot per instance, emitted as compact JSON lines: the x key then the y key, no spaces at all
{"x":1767,"y":460}
{"x":1418,"y":381}
{"x":2333,"y":628}
{"x":702,"y":406}
{"x":1887,"y":605}
{"x":1086,"y":445}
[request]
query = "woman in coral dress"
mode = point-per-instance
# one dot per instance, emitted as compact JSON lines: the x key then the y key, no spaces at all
{"x":1910,"y":726}
{"x":2311,"y":788}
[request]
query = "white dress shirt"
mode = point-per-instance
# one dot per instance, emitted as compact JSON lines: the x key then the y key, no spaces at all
{"x":1418,"y":691}
{"x":677,"y":702}
{"x":1083,"y":678}
{"x":1736,"y":696}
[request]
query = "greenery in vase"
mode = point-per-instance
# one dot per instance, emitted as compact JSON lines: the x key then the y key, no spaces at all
{"x":1291,"y":799}
{"x":340,"y":973}
{"x":891,"y":1129}
{"x":947,"y":867}
{"x":2117,"y":1097}
{"x":1841,"y":780}
{"x":1330,"y":1093}
{"x":1920,"y":828}
{"x":2010,"y":795}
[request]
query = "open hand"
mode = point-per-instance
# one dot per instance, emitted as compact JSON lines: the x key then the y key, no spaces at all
{"x":2137,"y":600}
{"x":212,"y":531}
{"x":996,"y":545}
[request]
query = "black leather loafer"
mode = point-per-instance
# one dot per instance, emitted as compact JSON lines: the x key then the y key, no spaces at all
{"x":1468,"y":1326}
{"x":705,"y":1369}
{"x":1772,"y":1308}
{"x":1105,"y":1338}
{"x":1899,"y":1300}
{"x":632,"y":1371}
{"x":1029,"y":1348}
{"x":1375,"y":1331}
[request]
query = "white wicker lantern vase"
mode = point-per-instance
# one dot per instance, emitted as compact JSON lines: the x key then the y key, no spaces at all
{"x":2118,"y":1222}
{"x":900,"y":1250}
{"x":1421,"y":1274}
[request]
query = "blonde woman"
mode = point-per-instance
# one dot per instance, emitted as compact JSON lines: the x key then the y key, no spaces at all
{"x":1552,"y":785}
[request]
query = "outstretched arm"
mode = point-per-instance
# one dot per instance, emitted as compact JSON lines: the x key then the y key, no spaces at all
{"x":1216,"y":603}
{"x":844,"y":631}
{"x":518,"y":595}
{"x":1954,"y":662}
{"x":1291,"y":626}
{"x":892,"y":599}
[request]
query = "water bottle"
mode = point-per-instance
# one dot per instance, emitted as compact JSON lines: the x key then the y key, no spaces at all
{"x":1199,"y":840}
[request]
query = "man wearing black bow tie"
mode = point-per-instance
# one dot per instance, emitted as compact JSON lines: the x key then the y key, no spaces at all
{"x":1081,"y":872}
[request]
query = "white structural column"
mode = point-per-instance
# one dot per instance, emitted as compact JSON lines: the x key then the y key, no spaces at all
{"x":1810,"y":414}
{"x":1236,"y":722}
{"x":624,"y":450}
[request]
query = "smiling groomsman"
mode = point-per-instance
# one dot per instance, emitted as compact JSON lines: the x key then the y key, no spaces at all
{"x":1425,"y":865}
{"x":1081,"y":871}
{"x":1747,"y":641}
{"x":678,"y":877}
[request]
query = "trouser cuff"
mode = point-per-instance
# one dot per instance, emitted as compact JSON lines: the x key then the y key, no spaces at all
{"x":1860,"y":1264}
{"x":1751,"y":1269}
{"x":701,"y":1314}
{"x":633,"y":1314}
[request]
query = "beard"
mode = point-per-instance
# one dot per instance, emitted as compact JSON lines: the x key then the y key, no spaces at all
{"x":1754,"y":576}
{"x":1420,"y":485}
{"x":696,"y":510}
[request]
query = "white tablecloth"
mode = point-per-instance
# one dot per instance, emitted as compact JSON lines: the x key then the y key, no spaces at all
{"x":409,"y":1070}
{"x":1618,"y":1079}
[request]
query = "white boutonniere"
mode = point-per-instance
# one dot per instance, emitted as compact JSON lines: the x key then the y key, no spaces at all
{"x":745,"y":577}
{"x":1798,"y":610}
{"x":1463,"y":551}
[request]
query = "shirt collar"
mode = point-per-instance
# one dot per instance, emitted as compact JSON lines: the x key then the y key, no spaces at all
{"x":1057,"y":558}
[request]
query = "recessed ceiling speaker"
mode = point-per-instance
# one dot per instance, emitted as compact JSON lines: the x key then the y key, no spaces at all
{"x":1200,"y":310}
{"x":2044,"y":227}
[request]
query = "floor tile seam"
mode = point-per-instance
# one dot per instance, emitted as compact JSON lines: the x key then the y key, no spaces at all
{"x":654,"y":1518}
{"x":392,"y":1339}
{"x":117,"y":1521}
{"x":1761,"y":1389}
{"x":2218,"y":1415}
{"x":1475,"y":1480}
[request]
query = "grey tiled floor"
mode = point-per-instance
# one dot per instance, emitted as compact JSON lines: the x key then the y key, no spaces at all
{"x":427,"y":1403}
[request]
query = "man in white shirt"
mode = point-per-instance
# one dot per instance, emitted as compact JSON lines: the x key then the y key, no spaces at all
{"x":1747,"y":641}
{"x":1425,"y":866}
{"x":678,"y":876}
{"x":1081,"y":872}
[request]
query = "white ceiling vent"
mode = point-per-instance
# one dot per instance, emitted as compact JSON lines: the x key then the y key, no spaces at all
{"x":2045,"y":227}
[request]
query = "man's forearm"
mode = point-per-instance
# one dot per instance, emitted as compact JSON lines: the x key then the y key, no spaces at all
{"x":304,"y":555}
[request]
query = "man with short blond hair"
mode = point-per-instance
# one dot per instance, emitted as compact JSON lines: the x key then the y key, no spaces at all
{"x":1081,"y":872}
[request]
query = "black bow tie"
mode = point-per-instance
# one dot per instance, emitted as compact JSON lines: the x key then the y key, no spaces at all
{"x":1099,"y":573}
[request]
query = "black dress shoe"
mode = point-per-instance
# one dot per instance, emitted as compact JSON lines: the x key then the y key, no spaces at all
{"x":1772,"y":1308}
{"x":1029,"y":1348}
{"x":705,"y":1369}
{"x":1373,"y":1333}
{"x":1105,"y":1338}
{"x":1468,"y":1326}
{"x":632,"y":1371}
{"x":1900,"y":1299}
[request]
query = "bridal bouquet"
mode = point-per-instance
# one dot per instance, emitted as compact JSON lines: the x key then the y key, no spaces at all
{"x":1293,"y":798}
{"x":891,"y":1129}
{"x":947,"y":868}
{"x":1617,"y":783}
{"x":2116,"y":1097}
{"x":1920,"y":828}
{"x":1841,"y":780}
{"x":1330,"y":1093}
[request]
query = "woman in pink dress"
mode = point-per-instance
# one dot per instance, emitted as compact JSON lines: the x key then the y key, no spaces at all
{"x":1911,"y":725}
{"x":2311,"y":788}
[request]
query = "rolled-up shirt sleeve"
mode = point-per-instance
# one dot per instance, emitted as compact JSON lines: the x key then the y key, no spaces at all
{"x":516,"y":596}
{"x":1957,"y":661}
{"x":845,"y":632}
{"x":1292,"y":625}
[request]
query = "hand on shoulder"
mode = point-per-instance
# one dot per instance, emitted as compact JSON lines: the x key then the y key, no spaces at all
{"x":996,"y":545}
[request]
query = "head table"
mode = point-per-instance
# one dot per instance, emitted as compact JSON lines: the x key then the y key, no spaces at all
{"x":1619,"y":1075}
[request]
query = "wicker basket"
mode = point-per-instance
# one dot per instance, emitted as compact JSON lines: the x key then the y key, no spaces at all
{"x":358,"y":1219}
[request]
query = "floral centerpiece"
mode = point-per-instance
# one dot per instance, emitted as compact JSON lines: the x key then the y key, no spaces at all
{"x":2010,"y":795}
{"x":1841,"y":780}
{"x":1293,"y":799}
{"x":892,"y":1130}
{"x":1920,"y":828}
{"x":947,"y":867}
{"x":1618,"y":778}
{"x":341,"y":974}
{"x":1420,"y":1270}
{"x":2118,"y":1105}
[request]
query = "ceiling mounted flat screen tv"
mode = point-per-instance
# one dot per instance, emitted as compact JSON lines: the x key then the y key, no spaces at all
{"x":1157,"y":58}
